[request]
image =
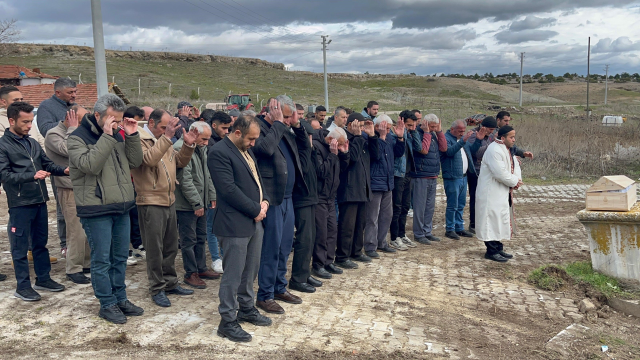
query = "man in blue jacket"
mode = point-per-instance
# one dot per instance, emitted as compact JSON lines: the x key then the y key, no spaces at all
{"x":379,"y":210}
{"x":456,"y":164}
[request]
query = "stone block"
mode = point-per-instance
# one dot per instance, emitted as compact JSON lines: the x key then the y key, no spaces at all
{"x":586,"y":306}
{"x":629,"y":307}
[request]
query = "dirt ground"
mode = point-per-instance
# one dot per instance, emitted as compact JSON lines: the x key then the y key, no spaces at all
{"x":437,"y":301}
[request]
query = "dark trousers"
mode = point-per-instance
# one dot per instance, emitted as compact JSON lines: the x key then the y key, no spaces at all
{"x":240,"y":261}
{"x":159,"y":230}
{"x":472,"y":180}
{"x":276,"y":247}
{"x":324,"y":250}
{"x":25,"y":221}
{"x":493,"y":247}
{"x":193,"y":240}
{"x":303,"y":245}
{"x":136,"y":237}
{"x":401,"y":205}
{"x":351,"y":223}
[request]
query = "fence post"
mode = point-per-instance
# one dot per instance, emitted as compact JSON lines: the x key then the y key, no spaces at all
{"x":169,"y":88}
{"x":138,"y":86}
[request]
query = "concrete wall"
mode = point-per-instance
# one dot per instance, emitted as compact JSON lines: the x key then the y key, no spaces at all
{"x":24,"y":82}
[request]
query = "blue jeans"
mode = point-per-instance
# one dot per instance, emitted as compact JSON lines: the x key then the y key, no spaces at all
{"x":25,"y":222}
{"x":212,"y":240}
{"x":456,"y":190}
{"x":108,"y":238}
{"x":276,"y":247}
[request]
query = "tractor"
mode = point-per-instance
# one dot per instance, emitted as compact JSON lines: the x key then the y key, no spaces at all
{"x":239,"y":102}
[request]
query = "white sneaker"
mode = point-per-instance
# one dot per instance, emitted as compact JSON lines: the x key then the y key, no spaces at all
{"x":410,"y":213}
{"x":140,"y":252}
{"x":217,"y":266}
{"x":397,"y":244}
{"x":408,"y":242}
{"x":131,"y":260}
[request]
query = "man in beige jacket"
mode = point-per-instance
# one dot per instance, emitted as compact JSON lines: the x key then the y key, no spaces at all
{"x":155,"y":184}
{"x":78,"y":250}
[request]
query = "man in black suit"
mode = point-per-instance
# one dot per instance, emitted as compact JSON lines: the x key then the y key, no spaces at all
{"x":241,"y":207}
{"x":279,"y":163}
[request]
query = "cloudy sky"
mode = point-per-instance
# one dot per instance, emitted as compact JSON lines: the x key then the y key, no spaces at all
{"x":382,"y":36}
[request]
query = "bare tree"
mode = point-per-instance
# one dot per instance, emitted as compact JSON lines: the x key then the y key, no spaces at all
{"x":9,"y":34}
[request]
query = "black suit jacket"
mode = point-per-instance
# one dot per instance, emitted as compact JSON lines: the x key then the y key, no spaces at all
{"x":238,"y":195}
{"x":272,"y":163}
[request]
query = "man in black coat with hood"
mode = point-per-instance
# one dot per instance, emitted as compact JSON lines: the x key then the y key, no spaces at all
{"x":355,"y":191}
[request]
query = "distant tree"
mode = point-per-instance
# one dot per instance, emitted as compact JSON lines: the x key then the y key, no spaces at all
{"x":568,"y":76}
{"x":538,"y":75}
{"x":9,"y":34}
{"x":559,"y":79}
{"x":414,"y":74}
{"x":194,"y":95}
{"x":550,"y":77}
{"x":476,"y":76}
{"x":366,"y":73}
{"x":490,"y":75}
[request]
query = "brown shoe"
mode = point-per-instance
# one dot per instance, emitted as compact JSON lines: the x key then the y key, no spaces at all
{"x":270,"y":306}
{"x":288,"y":298}
{"x":209,"y":275}
{"x":195,"y":281}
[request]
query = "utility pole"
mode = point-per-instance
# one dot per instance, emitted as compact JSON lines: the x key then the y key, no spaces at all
{"x":606,"y":83}
{"x":521,"y":65}
{"x":98,"y":48}
{"x":324,"y":56}
{"x":588,"y":74}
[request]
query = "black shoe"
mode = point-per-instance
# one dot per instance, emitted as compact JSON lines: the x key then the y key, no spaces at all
{"x":347,"y":264}
{"x":3,"y":277}
{"x":233,"y":331}
{"x":423,"y":241}
{"x":314,"y":282}
{"x":161,"y":299}
{"x":86,"y":270}
{"x":179,"y":290}
{"x":432,"y":238}
{"x":472,"y":229}
{"x":505,"y":255}
{"x":322,"y":273}
{"x":372,"y":254}
{"x":464,"y":233}
{"x":332,"y":269}
{"x":48,"y":285}
{"x":27,"y":294}
{"x":79,"y":278}
{"x":254,"y":317}
{"x":302,"y":287}
{"x":452,"y":235}
{"x":496,"y":257}
{"x":361,"y":258}
{"x":128,"y":309}
{"x":113,"y":314}
{"x":387,"y":249}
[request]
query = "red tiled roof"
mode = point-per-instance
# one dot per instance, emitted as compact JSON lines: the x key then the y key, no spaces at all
{"x":13,"y":72}
{"x":35,"y":94}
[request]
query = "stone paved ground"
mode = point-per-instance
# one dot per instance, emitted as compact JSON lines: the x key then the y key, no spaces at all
{"x":438,"y":301}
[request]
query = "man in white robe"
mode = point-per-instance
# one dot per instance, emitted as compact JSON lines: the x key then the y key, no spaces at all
{"x":499,"y":175}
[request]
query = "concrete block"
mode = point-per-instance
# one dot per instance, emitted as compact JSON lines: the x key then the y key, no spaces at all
{"x":629,"y":307}
{"x":564,"y":341}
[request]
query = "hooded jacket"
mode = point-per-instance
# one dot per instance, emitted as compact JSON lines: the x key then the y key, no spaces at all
{"x":18,"y":168}
{"x":100,"y":169}
{"x":155,"y":180}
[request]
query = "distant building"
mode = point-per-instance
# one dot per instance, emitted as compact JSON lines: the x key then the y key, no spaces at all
{"x":35,"y":94}
{"x":21,"y":76}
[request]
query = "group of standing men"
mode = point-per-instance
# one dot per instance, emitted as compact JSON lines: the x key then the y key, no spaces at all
{"x":254,"y":188}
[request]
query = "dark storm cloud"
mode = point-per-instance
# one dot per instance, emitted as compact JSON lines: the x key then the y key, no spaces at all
{"x":262,"y":15}
{"x":509,"y":37}
{"x":531,"y":22}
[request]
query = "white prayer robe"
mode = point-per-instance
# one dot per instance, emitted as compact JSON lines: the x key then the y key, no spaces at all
{"x":493,"y":214}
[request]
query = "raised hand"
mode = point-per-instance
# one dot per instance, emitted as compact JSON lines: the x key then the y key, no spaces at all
{"x":399,"y":128}
{"x":130,"y":126}
{"x":369,"y":129}
{"x":344,"y":147}
{"x":108,"y":125}
{"x":333,"y":146}
{"x":467,"y":135}
{"x":172,"y":126}
{"x":295,"y":120}
{"x":480,"y":134}
{"x":275,"y":112}
{"x":190,"y":137}
{"x":186,"y":111}
{"x":354,"y":128}
{"x":41,"y":175}
{"x":196,"y":112}
{"x":71,"y":119}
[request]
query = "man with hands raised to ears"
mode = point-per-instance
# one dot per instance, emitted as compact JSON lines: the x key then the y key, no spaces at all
{"x":155,"y":184}
{"x":100,"y":160}
{"x":23,"y":168}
